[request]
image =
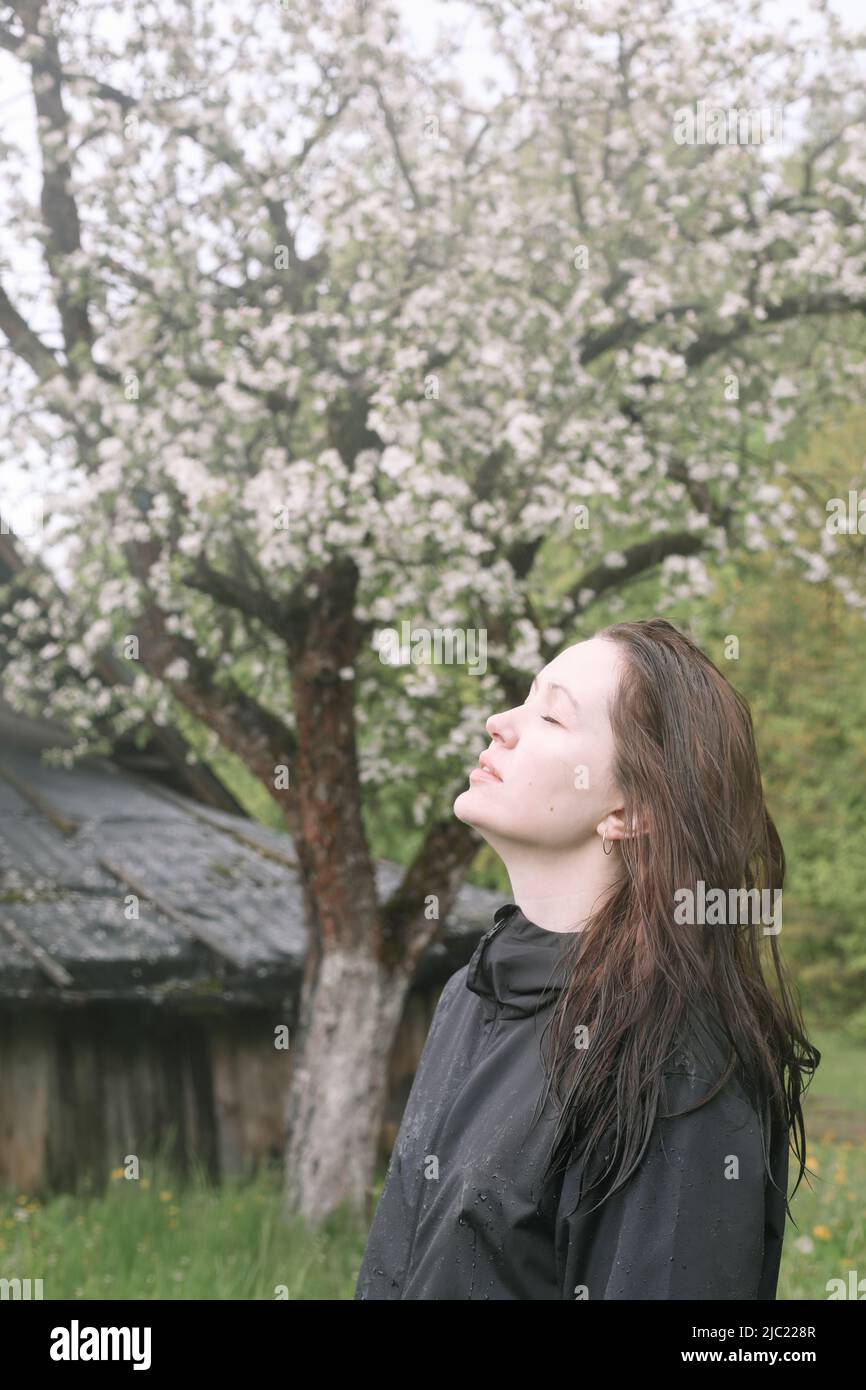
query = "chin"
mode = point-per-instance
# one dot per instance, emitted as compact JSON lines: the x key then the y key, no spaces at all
{"x":468,"y":807}
{"x":463,"y":806}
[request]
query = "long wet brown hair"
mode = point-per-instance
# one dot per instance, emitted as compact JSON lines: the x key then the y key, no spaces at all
{"x":686,"y":764}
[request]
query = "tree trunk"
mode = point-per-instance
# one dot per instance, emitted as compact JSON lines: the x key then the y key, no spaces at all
{"x":350,"y":1013}
{"x":361,"y":956}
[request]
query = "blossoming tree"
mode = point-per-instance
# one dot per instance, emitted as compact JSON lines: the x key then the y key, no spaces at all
{"x":325,"y":341}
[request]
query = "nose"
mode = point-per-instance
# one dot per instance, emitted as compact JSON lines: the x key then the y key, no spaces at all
{"x":499,"y":727}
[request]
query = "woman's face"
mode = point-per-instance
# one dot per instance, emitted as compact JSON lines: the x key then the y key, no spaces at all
{"x":553,"y":755}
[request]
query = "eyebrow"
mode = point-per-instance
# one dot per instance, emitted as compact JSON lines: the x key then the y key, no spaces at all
{"x":554,"y":685}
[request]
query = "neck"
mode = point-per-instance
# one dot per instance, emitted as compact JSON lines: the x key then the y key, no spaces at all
{"x":560,"y":889}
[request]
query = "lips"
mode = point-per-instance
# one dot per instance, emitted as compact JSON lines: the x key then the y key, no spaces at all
{"x":485,"y":763}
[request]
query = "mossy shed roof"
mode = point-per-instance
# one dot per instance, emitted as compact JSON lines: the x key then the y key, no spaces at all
{"x":219,"y":900}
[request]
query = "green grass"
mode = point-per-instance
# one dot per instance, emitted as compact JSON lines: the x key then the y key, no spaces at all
{"x":829,"y":1212}
{"x":840,"y":1081}
{"x":830,"y":1207}
{"x":155,"y":1239}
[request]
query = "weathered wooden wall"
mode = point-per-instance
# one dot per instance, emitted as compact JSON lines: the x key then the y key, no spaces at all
{"x":81,"y":1089}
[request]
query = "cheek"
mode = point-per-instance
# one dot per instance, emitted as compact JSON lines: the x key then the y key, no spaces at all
{"x":588,"y":778}
{"x":553,"y":776}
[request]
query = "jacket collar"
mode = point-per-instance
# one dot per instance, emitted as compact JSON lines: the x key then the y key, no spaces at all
{"x":517,"y":965}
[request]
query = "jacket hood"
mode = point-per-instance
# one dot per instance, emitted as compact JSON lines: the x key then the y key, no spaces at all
{"x":517,"y":965}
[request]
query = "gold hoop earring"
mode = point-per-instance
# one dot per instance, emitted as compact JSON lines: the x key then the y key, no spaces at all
{"x":604,"y":844}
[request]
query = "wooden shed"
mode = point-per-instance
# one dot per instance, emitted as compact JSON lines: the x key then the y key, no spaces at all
{"x":150,"y":945}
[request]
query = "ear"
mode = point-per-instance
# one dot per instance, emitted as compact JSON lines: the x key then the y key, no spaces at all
{"x":615,"y":828}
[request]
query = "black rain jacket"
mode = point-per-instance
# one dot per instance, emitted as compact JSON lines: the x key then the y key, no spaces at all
{"x":464,"y":1213}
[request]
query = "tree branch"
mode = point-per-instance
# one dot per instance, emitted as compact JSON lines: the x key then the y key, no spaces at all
{"x":25,"y":343}
{"x":639,"y":559}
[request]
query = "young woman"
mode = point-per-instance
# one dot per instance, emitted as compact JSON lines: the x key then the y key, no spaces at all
{"x":603,"y":1104}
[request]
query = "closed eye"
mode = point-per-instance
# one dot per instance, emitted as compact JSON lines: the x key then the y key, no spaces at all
{"x":551,"y":720}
